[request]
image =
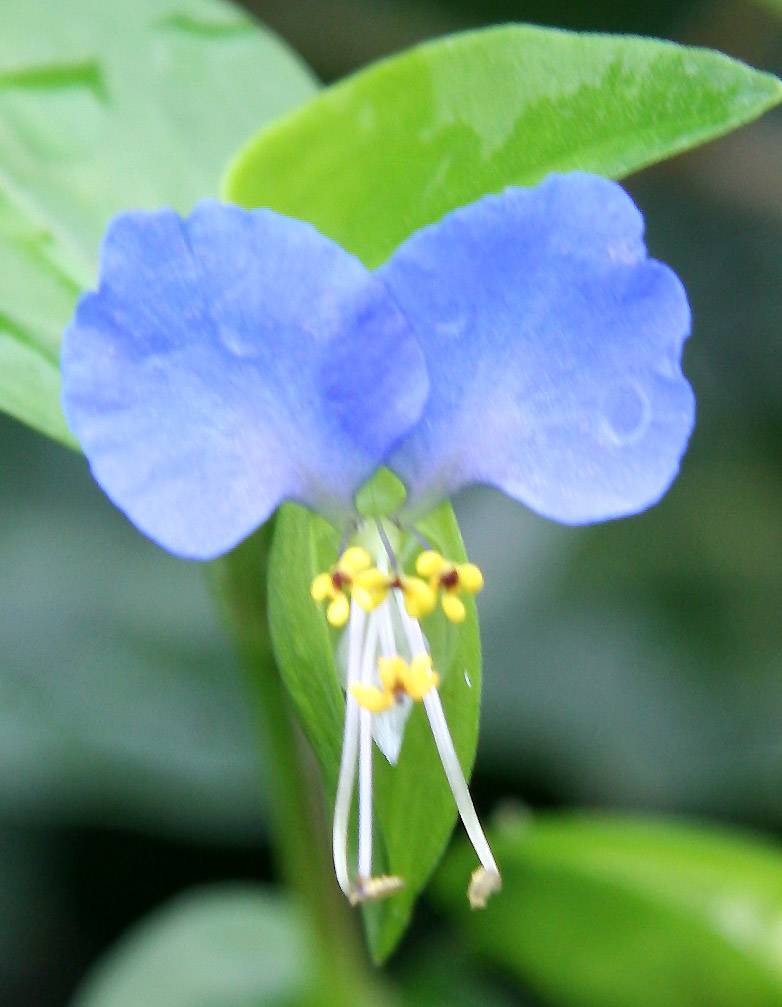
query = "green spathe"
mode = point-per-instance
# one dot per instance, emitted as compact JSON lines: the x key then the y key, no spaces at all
{"x":415,"y":806}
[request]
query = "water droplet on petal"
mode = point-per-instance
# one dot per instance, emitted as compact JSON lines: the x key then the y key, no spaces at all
{"x":627,"y":413}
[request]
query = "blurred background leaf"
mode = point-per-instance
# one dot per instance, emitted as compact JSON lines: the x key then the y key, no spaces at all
{"x":226,"y":946}
{"x":107,"y":107}
{"x":129,"y":709}
{"x":438,"y":973}
{"x":606,"y":912}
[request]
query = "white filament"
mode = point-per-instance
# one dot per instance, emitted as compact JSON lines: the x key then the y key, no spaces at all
{"x":366,"y":671}
{"x":347,"y":767}
{"x":444,"y":743}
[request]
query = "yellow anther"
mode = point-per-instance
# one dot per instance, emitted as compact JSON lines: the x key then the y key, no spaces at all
{"x":371,"y":698}
{"x":453,"y":606}
{"x":322,"y":587}
{"x":334,"y":584}
{"x":429,"y":563}
{"x":339,"y":609}
{"x":419,"y":677}
{"x":391,"y":671}
{"x":371,"y":587}
{"x":470,"y":578}
{"x":451,"y":579}
{"x":354,"y":560}
{"x":420,"y":597}
{"x":397,"y":678}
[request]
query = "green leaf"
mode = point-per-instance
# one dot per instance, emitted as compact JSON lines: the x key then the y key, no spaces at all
{"x":105,"y":107}
{"x":608,"y":911}
{"x":227,"y":946}
{"x":397,"y":146}
{"x":414,"y":804}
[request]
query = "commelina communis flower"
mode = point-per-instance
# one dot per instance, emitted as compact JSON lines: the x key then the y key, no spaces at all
{"x":237,"y":359}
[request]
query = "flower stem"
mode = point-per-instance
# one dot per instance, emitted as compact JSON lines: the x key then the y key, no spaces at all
{"x":298,"y":821}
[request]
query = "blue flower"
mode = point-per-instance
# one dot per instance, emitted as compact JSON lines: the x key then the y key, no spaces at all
{"x":237,"y":359}
{"x":231,"y":361}
{"x":553,"y":347}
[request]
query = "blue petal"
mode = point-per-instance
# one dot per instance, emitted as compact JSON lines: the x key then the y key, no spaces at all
{"x":228,"y":362}
{"x":553,"y":346}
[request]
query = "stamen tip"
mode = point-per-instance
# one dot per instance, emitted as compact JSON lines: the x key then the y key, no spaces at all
{"x":371,"y":889}
{"x":483,"y":884}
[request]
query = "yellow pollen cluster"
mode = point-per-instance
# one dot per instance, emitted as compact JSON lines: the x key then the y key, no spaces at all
{"x":451,"y":579}
{"x":355,"y":576}
{"x":397,"y":678}
{"x":371,"y":588}
{"x":419,"y":597}
{"x":335,"y":584}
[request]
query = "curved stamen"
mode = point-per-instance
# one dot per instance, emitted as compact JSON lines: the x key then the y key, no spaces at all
{"x":367,"y":663}
{"x":347,"y":767}
{"x":486,"y":880}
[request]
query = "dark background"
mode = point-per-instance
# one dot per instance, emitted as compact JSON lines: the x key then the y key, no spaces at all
{"x":636,"y":664}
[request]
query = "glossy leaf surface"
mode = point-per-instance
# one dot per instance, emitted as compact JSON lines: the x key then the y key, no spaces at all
{"x":131,"y":104}
{"x":609,"y":911}
{"x":414,"y":803}
{"x":400,"y":144}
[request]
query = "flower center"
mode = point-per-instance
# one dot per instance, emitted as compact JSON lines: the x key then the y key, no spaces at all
{"x":398,"y":679}
{"x":388,"y":668}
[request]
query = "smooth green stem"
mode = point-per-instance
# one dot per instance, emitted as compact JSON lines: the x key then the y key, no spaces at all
{"x":297,"y":814}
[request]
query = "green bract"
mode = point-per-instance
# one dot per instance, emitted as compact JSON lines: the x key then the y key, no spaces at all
{"x":414,"y":803}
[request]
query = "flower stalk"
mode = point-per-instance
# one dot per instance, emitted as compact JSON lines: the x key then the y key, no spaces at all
{"x":297,"y":816}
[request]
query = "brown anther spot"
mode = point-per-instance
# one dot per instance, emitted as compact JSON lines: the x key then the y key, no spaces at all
{"x":450,"y":579}
{"x":339,"y":580}
{"x":396,"y":583}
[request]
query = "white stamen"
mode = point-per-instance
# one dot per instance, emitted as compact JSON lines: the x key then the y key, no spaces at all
{"x":448,"y":756}
{"x":368,"y":658}
{"x":347,"y":767}
{"x":386,"y":629}
{"x":453,"y":770}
